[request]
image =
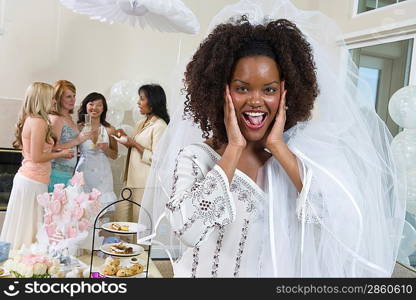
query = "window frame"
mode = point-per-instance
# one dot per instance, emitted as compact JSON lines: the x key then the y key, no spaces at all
{"x":355,"y":12}
{"x":391,"y":39}
{"x":412,"y":71}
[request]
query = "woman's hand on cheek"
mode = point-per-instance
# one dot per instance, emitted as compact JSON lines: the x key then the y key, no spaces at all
{"x":274,"y":137}
{"x":234,"y":135}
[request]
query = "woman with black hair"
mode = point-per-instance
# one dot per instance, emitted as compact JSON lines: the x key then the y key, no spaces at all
{"x":94,"y":162}
{"x":152,"y":103}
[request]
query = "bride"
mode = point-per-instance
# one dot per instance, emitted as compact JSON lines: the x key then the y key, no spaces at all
{"x":293,"y":176}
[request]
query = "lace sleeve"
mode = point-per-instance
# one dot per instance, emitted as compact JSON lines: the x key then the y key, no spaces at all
{"x":199,"y":202}
{"x":310,"y":205}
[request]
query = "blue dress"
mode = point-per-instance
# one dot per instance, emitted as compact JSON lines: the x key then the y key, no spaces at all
{"x":63,"y":169}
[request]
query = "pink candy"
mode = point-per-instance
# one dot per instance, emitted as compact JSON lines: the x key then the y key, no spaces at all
{"x":94,"y":194}
{"x":47,"y":219}
{"x":59,"y":193}
{"x":71,"y":231}
{"x":83,"y":224}
{"x":78,"y":212}
{"x":43,"y":199}
{"x":67,"y":212}
{"x":50,"y":229}
{"x":54,"y":207}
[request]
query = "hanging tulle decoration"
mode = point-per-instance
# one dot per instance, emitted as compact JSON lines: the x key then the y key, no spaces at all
{"x":162,"y":15}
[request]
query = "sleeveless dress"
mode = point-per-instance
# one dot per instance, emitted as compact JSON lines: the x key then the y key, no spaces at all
{"x":63,"y":169}
{"x":23,"y":213}
{"x":95,"y":165}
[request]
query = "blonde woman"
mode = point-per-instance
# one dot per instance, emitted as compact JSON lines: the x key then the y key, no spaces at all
{"x":66,"y":132}
{"x":34,"y":137}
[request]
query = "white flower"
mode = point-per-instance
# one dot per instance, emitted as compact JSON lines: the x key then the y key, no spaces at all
{"x":54,"y":270}
{"x":26,"y":271}
{"x":19,"y":268}
{"x":9,"y":265}
{"x":39,"y":268}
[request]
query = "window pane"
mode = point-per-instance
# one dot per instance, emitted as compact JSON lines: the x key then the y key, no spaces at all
{"x":385,"y":68}
{"x":371,"y":76}
{"x":366,"y":5}
{"x":382,"y":3}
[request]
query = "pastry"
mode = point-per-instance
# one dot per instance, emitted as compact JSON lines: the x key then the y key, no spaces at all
{"x":115,"y":226}
{"x":112,"y":261}
{"x":122,"y":272}
{"x":129,"y":272}
{"x":109,"y":270}
{"x":121,"y":248}
{"x":119,"y":227}
{"x":124,"y":228}
{"x":136,"y":268}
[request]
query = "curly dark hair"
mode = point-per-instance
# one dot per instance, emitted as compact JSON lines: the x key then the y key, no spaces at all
{"x":212,"y":67}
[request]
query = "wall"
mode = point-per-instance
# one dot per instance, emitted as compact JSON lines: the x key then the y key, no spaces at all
{"x":370,"y":25}
{"x":56,"y":43}
{"x":44,"y":41}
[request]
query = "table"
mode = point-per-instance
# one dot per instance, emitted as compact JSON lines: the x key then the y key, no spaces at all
{"x":98,"y":262}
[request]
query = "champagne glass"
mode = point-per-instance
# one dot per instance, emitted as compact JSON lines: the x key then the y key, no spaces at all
{"x":87,"y":122}
{"x":102,"y":138}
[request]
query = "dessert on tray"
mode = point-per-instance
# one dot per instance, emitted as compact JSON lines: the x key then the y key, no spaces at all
{"x":113,"y":267}
{"x":121,"y":248}
{"x":119,"y":227}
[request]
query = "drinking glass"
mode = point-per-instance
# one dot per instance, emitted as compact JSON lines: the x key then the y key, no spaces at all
{"x":87,"y":122}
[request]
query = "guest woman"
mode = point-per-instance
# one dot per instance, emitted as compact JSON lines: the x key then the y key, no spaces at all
{"x":141,"y":146}
{"x":66,"y":132}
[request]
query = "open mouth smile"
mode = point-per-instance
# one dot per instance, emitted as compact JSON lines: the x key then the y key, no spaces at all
{"x":94,"y":113}
{"x":254,"y":119}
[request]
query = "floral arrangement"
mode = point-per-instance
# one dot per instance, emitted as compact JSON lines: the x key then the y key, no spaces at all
{"x":32,"y":265}
{"x":68,"y":214}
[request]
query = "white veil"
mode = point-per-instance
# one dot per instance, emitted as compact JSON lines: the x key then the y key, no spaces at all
{"x":348,"y":219}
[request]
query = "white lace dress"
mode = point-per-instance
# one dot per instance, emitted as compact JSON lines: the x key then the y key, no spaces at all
{"x":269,"y":229}
{"x":218,"y":221}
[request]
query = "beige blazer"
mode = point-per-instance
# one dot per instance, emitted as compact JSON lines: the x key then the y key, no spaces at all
{"x":137,"y":165}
